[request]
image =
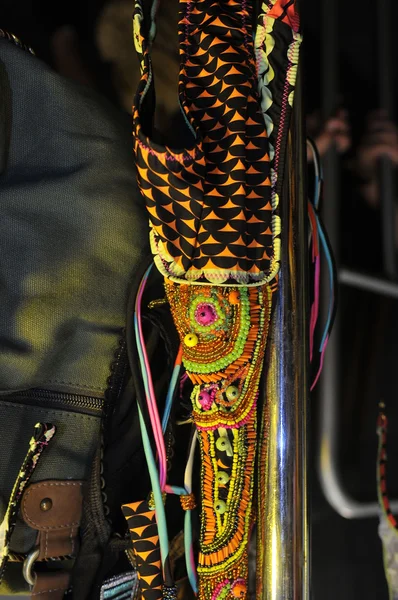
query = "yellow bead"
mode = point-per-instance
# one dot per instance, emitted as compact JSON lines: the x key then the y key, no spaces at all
{"x":191,"y":340}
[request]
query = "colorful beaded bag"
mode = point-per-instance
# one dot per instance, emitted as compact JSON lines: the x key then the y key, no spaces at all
{"x":215,"y":229}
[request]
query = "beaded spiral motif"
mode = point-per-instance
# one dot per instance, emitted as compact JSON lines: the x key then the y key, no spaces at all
{"x":223,"y":332}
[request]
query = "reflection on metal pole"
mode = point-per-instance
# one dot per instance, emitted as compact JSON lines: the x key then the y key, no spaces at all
{"x":286,"y":535}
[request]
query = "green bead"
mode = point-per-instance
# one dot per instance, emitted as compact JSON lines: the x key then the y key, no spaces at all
{"x":232,"y":393}
{"x":220,"y":507}
{"x":224,"y":445}
{"x":222,"y":477}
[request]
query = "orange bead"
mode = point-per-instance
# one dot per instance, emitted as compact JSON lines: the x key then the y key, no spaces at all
{"x":239,"y":589}
{"x":234,"y":297}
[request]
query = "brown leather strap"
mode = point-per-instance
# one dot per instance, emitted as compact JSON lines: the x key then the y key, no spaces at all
{"x":59,"y":543}
{"x":54,"y":509}
{"x":51,"y":586}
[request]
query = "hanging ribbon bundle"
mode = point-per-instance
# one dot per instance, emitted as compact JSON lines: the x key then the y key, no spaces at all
{"x":319,"y":243}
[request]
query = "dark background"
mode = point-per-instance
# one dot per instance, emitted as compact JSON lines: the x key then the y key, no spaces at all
{"x":346,"y":555}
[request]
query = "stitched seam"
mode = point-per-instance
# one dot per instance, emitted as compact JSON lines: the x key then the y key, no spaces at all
{"x":244,"y":25}
{"x":259,"y":43}
{"x":187,"y":23}
{"x":160,"y":155}
{"x":47,"y":485}
{"x":46,"y":546}
{"x":49,"y":591}
{"x":43,"y":411}
{"x":72,"y":542}
{"x":78,"y":385}
{"x":283,"y":116}
{"x":53,"y":528}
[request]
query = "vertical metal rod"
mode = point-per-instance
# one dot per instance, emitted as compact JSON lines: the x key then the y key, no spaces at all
{"x":286,"y":562}
{"x":386,"y":101}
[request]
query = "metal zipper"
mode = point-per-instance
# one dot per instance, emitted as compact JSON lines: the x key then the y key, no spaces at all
{"x":58,"y":400}
{"x":76,"y":401}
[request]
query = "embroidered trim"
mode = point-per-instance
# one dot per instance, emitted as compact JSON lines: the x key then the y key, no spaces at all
{"x":120,"y":587}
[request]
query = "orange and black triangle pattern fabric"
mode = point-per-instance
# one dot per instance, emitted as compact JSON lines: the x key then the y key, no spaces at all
{"x":210,"y":204}
{"x":143,"y":529}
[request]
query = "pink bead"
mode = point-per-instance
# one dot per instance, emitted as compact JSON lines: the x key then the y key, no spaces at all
{"x":205,"y":314}
{"x":205,"y":400}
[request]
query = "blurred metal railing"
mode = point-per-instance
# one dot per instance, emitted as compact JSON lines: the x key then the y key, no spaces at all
{"x":328,"y":463}
{"x":286,"y":563}
{"x":386,"y":101}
